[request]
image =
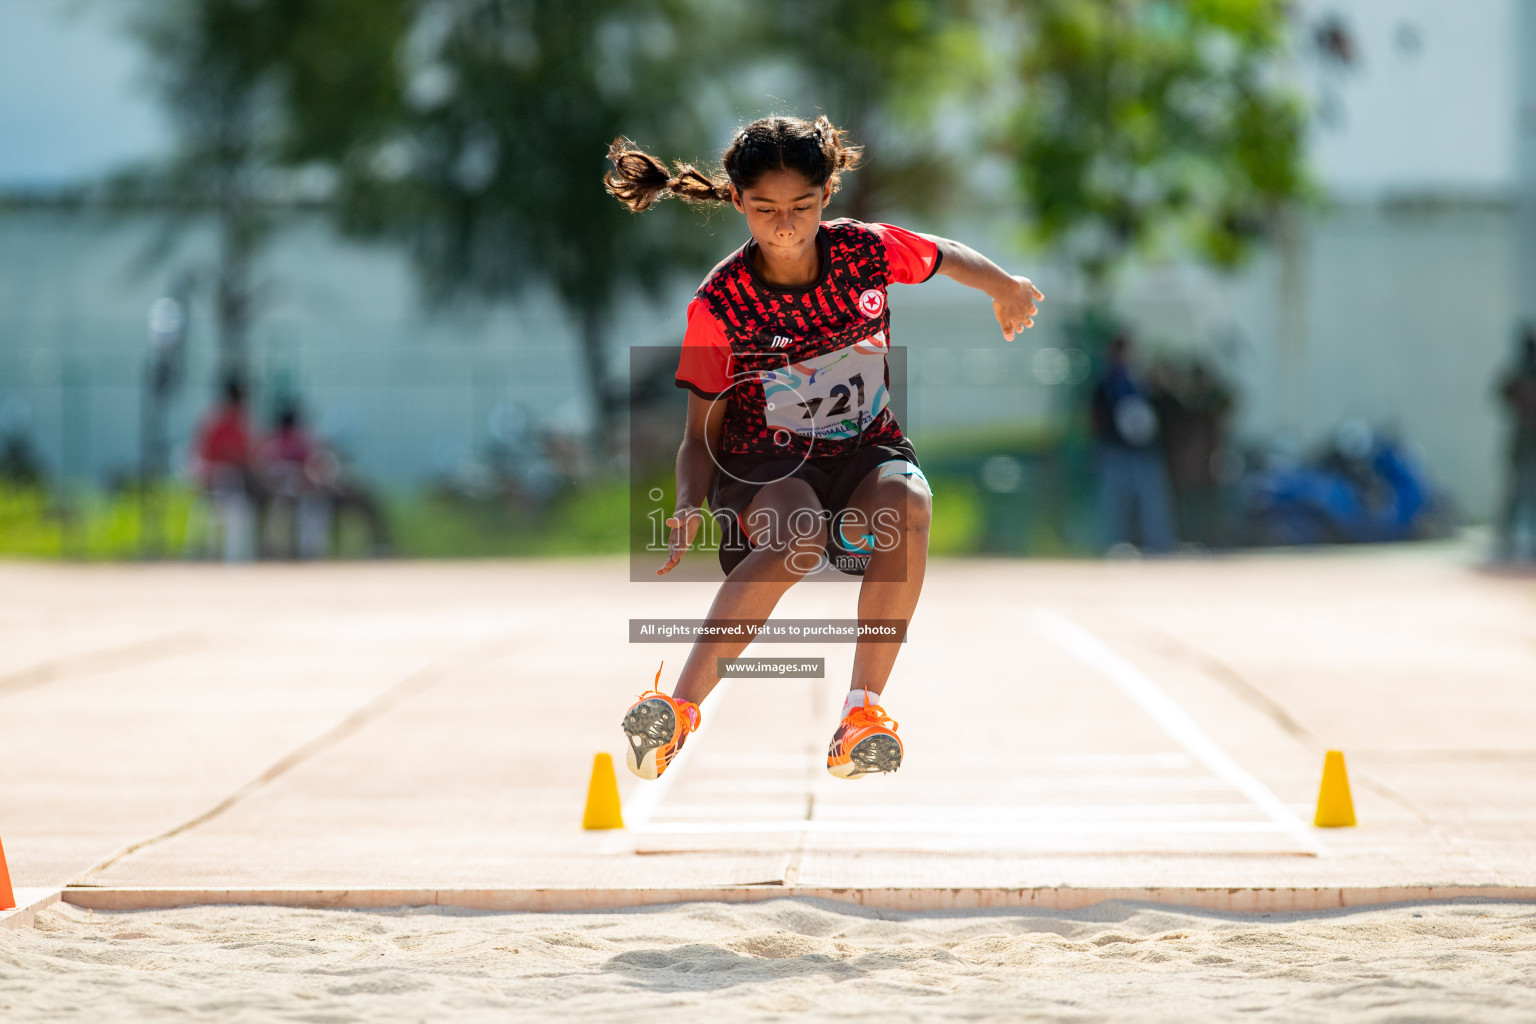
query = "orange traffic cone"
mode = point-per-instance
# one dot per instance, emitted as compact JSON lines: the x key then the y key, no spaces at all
{"x":7,"y":894}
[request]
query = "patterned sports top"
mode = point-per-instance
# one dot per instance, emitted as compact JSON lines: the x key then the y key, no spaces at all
{"x":803,"y":370}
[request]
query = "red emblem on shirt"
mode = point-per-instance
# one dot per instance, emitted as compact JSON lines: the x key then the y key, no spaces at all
{"x":872,"y":302}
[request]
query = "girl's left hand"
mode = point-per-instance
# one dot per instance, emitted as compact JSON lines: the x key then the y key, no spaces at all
{"x":1015,"y":307}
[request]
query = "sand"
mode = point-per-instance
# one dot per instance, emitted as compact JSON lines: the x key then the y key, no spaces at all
{"x":788,"y":959}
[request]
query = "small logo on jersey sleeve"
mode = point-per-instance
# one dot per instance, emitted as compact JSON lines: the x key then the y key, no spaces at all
{"x":872,"y":303}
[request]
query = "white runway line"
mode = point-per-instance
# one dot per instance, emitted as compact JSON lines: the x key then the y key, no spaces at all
{"x":1174,"y":720}
{"x":970,"y":813}
{"x":950,"y":827}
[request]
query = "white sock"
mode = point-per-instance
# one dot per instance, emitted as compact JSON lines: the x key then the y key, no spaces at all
{"x":859,"y":699}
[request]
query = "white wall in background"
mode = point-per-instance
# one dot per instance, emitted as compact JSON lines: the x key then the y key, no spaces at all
{"x":1430,"y":102}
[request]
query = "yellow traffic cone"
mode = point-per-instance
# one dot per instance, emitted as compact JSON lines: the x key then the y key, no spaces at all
{"x":1334,"y":806}
{"x":602,"y":796}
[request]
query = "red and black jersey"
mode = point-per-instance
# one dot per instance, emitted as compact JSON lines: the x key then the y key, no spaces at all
{"x":803,"y":370}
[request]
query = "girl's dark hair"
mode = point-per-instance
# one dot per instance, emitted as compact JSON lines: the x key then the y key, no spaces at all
{"x":817,"y":150}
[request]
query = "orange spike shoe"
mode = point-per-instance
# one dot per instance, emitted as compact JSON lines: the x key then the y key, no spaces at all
{"x":864,"y":743}
{"x":656,"y":726}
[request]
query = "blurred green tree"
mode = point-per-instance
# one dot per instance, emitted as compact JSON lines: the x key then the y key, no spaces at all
{"x":884,"y":70}
{"x":232,"y":75}
{"x":490,"y":171}
{"x":1145,"y":119}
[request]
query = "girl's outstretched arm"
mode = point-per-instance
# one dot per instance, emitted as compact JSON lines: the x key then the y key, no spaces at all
{"x":1013,"y":298}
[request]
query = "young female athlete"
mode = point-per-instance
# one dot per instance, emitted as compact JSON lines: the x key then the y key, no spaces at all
{"x":789,"y":432}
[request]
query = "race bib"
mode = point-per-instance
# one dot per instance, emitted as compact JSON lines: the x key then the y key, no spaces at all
{"x":834,"y":396}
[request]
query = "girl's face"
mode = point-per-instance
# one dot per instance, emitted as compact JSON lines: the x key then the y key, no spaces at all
{"x":783,"y":211}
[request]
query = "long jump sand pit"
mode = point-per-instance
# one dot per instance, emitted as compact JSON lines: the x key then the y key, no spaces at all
{"x":1093,"y":750}
{"x":778,"y":960}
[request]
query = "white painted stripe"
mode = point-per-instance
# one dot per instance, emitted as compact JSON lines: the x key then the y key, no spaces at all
{"x":970,"y":812}
{"x":737,"y":786}
{"x":751,"y":760}
{"x":946,"y":827}
{"x":824,"y":786}
{"x":1173,"y":719}
{"x":1122,"y":785}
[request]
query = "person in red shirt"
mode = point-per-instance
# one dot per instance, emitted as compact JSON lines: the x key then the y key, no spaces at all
{"x":296,"y":475}
{"x":789,"y":433}
{"x":224,"y":441}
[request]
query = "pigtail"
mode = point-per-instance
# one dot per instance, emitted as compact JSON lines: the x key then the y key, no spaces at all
{"x":639,"y":179}
{"x":693,"y":185}
{"x":836,"y":151}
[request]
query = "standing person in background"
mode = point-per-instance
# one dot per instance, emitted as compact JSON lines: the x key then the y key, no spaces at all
{"x":1517,"y":389}
{"x":1193,"y":407}
{"x":222,"y":465}
{"x":1132,"y":474}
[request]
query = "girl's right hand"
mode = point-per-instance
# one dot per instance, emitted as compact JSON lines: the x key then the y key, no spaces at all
{"x":684,"y":524}
{"x":1014,"y":307}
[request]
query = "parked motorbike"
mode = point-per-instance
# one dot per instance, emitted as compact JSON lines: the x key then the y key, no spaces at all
{"x":1363,"y":487}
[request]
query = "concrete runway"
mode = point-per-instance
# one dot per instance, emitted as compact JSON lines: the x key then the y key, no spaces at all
{"x":413,"y":733}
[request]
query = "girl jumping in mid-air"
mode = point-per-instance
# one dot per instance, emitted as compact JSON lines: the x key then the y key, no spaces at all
{"x":789,"y":432}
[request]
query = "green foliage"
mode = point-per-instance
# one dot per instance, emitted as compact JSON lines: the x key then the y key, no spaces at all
{"x":491,"y":171}
{"x":1142,"y":119}
{"x":340,"y":72}
{"x":89,"y":525}
{"x":251,"y":89}
{"x":883,"y":70}
{"x":958,"y":518}
{"x":253,"y":85}
{"x":99,"y":526}
{"x":586,"y":521}
{"x":29,"y":525}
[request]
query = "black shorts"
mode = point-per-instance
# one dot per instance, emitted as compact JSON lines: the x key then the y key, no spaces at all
{"x":833,"y":478}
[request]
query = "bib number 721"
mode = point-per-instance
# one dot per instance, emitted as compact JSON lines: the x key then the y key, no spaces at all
{"x":839,"y":392}
{"x":835,"y":395}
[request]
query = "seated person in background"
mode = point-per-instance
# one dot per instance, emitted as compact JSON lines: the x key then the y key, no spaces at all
{"x":296,"y":471}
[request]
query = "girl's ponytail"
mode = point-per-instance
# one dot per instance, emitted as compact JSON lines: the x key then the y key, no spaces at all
{"x":639,"y":179}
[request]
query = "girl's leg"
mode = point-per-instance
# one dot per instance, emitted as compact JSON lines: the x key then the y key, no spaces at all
{"x":788,"y":532}
{"x":894,"y":577}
